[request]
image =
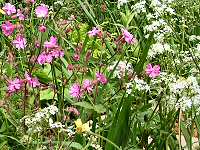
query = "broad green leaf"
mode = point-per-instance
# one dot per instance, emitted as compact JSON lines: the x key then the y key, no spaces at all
{"x":74,"y":145}
{"x":84,"y":105}
{"x":47,"y":94}
{"x":99,"y":108}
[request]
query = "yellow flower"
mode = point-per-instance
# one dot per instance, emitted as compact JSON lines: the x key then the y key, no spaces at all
{"x":80,"y":127}
{"x":2,"y":11}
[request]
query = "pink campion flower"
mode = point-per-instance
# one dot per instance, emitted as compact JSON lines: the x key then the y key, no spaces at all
{"x":87,"y":86}
{"x":19,"y":42}
{"x":73,"y":110}
{"x":101,"y":78}
{"x":7,"y":28}
{"x":70,"y":67}
{"x":76,"y":57}
{"x":20,"y":15}
{"x":75,"y":91}
{"x":41,"y":59}
{"x":9,"y":9}
{"x":128,"y":37}
{"x":94,"y":32}
{"x":37,"y":44}
{"x":30,"y":1}
{"x":61,"y":53}
{"x":52,"y":43}
{"x":57,"y":53}
{"x":152,"y":71}
{"x":14,"y":85}
{"x":42,"y":11}
{"x":33,"y":82}
{"x":49,"y":58}
{"x":42,"y":28}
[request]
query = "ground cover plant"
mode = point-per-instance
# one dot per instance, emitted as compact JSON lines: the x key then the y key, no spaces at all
{"x":99,"y":74}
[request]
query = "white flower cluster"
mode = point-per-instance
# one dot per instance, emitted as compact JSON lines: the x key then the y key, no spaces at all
{"x":139,"y":8}
{"x":121,"y":3}
{"x":121,"y":69}
{"x":94,"y":144}
{"x":138,"y":84}
{"x":158,"y":48}
{"x":141,"y":85}
{"x":194,"y":38}
{"x":162,"y":6}
{"x":159,"y":26}
{"x":185,"y":93}
{"x":41,"y":120}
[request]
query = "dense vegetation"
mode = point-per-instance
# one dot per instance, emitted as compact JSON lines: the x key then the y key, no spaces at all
{"x":99,"y":74}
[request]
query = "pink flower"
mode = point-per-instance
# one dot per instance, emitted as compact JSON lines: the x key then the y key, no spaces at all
{"x":41,"y":59}
{"x":49,"y":58}
{"x":87,"y":86}
{"x":37,"y":44}
{"x":7,"y":28}
{"x":30,"y":1}
{"x":42,"y":28}
{"x":55,"y":53}
{"x":76,"y":57}
{"x":70,"y":67}
{"x":101,"y":78}
{"x":75,"y":91}
{"x":19,"y":42}
{"x":20,"y":15}
{"x":73,"y":110}
{"x":14,"y":85}
{"x":42,"y":11}
{"x":94,"y":32}
{"x":52,"y":43}
{"x":128,"y":37}
{"x":152,"y":71}
{"x":9,"y":9}
{"x":33,"y":82}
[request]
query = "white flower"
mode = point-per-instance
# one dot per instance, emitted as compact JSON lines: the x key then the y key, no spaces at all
{"x":121,"y":2}
{"x":141,"y":84}
{"x":158,"y":48}
{"x":129,"y":87}
{"x":139,"y":8}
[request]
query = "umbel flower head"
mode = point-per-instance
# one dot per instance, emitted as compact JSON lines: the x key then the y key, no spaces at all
{"x":80,"y":127}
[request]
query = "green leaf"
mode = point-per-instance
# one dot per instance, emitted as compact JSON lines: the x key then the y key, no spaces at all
{"x":47,"y":94}
{"x":84,"y":105}
{"x":2,"y":144}
{"x":99,"y":108}
{"x":43,"y":77}
{"x":3,"y":127}
{"x":74,"y":145}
